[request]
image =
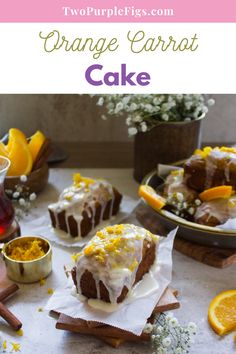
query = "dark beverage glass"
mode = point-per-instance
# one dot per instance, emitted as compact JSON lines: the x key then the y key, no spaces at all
{"x":6,"y":208}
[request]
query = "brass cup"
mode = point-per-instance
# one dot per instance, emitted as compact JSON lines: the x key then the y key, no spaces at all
{"x":28,"y":271}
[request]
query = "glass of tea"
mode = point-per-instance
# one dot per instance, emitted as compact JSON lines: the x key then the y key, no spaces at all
{"x":6,"y":208}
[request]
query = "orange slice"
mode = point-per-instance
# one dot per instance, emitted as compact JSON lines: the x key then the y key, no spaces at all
{"x":15,"y":133}
{"x":20,"y":157}
{"x":222,"y":312}
{"x":3,"y":150}
{"x":215,"y":193}
{"x":35,"y":144}
{"x":152,"y":198}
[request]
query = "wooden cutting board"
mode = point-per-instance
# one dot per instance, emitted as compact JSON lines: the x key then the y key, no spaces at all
{"x":112,"y":335}
{"x":213,"y":256}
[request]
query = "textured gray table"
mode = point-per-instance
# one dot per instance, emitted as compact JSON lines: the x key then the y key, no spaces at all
{"x":197,"y":284}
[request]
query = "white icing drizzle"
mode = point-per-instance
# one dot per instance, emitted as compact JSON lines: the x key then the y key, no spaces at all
{"x":115,"y":266}
{"x":175,"y":183}
{"x":212,"y":161}
{"x":74,"y":200}
{"x":221,"y":209}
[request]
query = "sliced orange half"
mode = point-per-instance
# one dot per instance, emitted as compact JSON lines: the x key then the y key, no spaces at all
{"x":222,"y":312}
{"x":152,"y":198}
{"x":20,"y":157}
{"x":35,"y":144}
{"x":3,"y":150}
{"x":215,"y":193}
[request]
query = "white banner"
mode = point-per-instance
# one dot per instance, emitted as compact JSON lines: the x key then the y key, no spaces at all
{"x":118,"y":58}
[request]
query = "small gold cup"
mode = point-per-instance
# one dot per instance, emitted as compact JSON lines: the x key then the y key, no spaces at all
{"x":28,"y":271}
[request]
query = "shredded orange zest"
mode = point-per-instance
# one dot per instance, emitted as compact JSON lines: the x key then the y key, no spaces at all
{"x":152,"y":198}
{"x":15,"y":347}
{"x":42,"y":281}
{"x":20,"y":332}
{"x":25,"y":251}
{"x":4,"y":344}
{"x":36,"y":143}
{"x":204,"y":152}
{"x":216,"y":193}
{"x":50,"y":291}
{"x":222,"y":312}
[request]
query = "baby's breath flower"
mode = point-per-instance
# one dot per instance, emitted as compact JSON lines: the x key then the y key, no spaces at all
{"x":144,"y":127}
{"x":32,"y":197}
{"x":166,"y":342}
{"x":165,"y":117}
{"x":132,"y":131}
{"x":198,"y":202}
{"x":22,"y":202}
{"x":211,"y":102}
{"x":172,"y":338}
{"x":100,"y":102}
{"x":155,"y":108}
{"x":148,"y":328}
{"x":119,"y":107}
{"x":23,"y":178}
{"x":192,"y":327}
{"x":173,"y":322}
{"x":16,"y":195}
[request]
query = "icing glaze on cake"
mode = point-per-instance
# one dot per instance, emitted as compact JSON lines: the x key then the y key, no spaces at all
{"x":113,"y":257}
{"x":83,"y":196}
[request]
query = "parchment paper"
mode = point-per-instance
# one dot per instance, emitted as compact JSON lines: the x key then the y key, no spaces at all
{"x":134,"y":311}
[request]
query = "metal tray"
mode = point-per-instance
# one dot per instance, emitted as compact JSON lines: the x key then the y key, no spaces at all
{"x":204,"y":235}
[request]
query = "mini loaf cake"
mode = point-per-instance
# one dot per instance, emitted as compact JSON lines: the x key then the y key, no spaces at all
{"x":84,"y":205}
{"x":203,"y":191}
{"x":114,"y":260}
{"x":209,"y":168}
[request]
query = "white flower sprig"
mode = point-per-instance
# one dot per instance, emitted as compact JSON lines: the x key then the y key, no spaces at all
{"x":21,"y":197}
{"x":144,"y":112}
{"x":168,"y":336}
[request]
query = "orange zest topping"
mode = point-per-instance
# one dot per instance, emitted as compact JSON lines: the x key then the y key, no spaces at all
{"x":222,"y":312}
{"x":216,"y":193}
{"x":152,"y":198}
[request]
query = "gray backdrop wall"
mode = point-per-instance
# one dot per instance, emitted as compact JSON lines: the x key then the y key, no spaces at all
{"x":78,"y":118}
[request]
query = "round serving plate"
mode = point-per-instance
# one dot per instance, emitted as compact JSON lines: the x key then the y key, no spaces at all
{"x":193,"y":232}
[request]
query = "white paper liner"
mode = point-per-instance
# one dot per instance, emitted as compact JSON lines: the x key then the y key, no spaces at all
{"x":164,"y":170}
{"x":42,"y":226}
{"x":133,"y":313}
{"x":230,"y":224}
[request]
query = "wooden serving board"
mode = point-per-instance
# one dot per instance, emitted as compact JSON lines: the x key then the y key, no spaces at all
{"x":112,"y":335}
{"x":213,"y":256}
{"x":7,"y":288}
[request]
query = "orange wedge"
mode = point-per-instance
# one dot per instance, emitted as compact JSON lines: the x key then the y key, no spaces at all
{"x":215,"y":193}
{"x":20,"y":157}
{"x":222,"y":312}
{"x":152,"y":198}
{"x":15,"y":133}
{"x":3,"y":150}
{"x":35,"y":144}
